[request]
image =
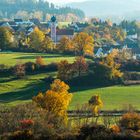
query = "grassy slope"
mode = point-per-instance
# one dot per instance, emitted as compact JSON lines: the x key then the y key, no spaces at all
{"x":114,"y":97}
{"x":19,"y":91}
{"x":13,"y":58}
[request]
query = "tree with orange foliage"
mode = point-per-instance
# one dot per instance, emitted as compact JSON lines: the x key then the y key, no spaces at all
{"x":80,"y":65}
{"x":40,"y":61}
{"x":56,"y":100}
{"x":84,"y":44}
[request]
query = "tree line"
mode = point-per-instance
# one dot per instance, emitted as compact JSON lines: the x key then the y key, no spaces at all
{"x":36,"y":9}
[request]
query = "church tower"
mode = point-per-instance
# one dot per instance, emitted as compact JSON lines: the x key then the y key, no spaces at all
{"x":53,"y":28}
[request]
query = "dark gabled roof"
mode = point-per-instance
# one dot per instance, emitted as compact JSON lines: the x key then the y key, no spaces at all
{"x":65,"y":32}
{"x":81,"y":25}
{"x":18,"y":20}
{"x":35,"y":21}
{"x":15,"y":28}
{"x":12,"y":23}
{"x":45,"y":25}
{"x":136,"y":50}
{"x":2,"y":22}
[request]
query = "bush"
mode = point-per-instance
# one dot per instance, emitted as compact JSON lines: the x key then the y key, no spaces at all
{"x":130,"y":121}
{"x":131,"y":65}
{"x":19,"y":70}
{"x":95,"y":132}
{"x":51,"y":67}
{"x":131,"y":76}
{"x":5,"y":69}
{"x":40,"y":61}
{"x":30,"y":67}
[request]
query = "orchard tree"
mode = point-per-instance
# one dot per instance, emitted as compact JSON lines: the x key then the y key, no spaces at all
{"x":6,"y":38}
{"x":56,"y":100}
{"x":84,"y":44}
{"x":80,"y":65}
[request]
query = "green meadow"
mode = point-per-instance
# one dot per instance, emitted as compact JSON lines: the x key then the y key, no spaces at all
{"x":13,"y":91}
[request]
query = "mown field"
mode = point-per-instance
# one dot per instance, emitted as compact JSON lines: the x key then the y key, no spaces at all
{"x":11,"y":59}
{"x":13,"y":91}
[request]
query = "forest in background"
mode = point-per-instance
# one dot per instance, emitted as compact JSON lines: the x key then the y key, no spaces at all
{"x":43,"y":10}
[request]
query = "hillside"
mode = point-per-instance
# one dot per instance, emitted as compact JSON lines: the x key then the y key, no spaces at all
{"x":110,"y":8}
{"x":42,"y":10}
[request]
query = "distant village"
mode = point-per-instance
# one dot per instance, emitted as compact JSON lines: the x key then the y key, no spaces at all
{"x":130,"y":44}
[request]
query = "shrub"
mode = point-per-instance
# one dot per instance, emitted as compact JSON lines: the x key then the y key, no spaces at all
{"x":131,"y":76}
{"x":40,"y":61}
{"x":115,"y":129}
{"x":30,"y":66}
{"x":51,"y":67}
{"x":130,"y":121}
{"x":19,"y":70}
{"x":97,"y":132}
{"x":26,"y":124}
{"x":22,"y":135}
{"x":96,"y":103}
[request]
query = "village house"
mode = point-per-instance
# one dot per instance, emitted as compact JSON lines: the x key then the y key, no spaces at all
{"x":60,"y":33}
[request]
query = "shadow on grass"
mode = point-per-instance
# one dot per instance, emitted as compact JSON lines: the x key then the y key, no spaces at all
{"x":87,"y":82}
{"x":25,"y":93}
{"x":8,"y":80}
{"x":44,"y":56}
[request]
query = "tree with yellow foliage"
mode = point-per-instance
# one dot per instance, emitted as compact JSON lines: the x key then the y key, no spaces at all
{"x":83,"y":44}
{"x":96,"y":104}
{"x":66,"y":44}
{"x":36,"y":39}
{"x":109,"y":62}
{"x":56,"y":100}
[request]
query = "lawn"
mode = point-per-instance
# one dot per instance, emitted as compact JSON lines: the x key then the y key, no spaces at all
{"x":11,"y":59}
{"x":13,"y":91}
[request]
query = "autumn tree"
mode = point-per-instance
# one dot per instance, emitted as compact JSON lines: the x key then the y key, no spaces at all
{"x":64,"y":70}
{"x":48,"y":45}
{"x":19,"y":70}
{"x":109,"y":61}
{"x":56,"y":100}
{"x":80,"y":65}
{"x":118,"y":34}
{"x":40,"y":61}
{"x":6,"y":38}
{"x":125,"y":54}
{"x":37,"y":38}
{"x":66,"y":44}
{"x":84,"y":44}
{"x":96,"y":104}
